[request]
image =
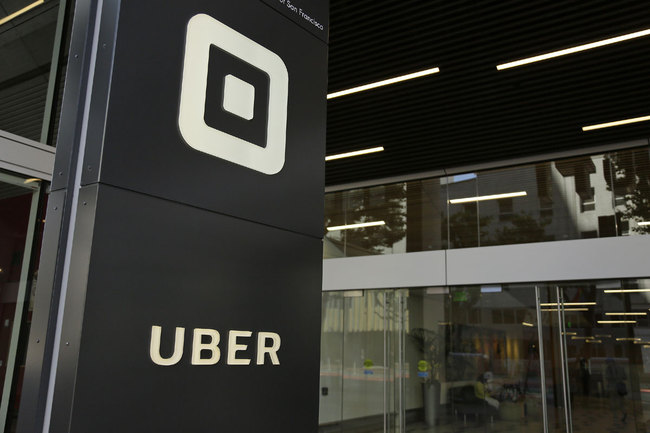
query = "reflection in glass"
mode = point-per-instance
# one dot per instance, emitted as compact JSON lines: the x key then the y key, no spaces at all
{"x":413,"y":214}
{"x":594,"y":196}
{"x":26,"y":43}
{"x":488,"y":358}
{"x":20,"y":229}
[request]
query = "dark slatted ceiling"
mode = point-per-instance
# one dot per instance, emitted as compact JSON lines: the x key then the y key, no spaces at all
{"x":470,"y":112}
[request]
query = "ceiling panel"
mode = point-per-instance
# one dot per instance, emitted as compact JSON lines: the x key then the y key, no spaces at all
{"x":470,"y":112}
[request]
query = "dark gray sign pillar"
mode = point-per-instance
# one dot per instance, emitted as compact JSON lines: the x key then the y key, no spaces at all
{"x":180,"y":282}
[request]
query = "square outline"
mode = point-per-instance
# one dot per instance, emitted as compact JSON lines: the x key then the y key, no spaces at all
{"x":202,"y":32}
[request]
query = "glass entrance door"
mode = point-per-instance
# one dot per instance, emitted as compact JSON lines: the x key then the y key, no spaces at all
{"x":472,"y":355}
{"x":359,"y":343}
{"x":18,"y":222}
{"x":597,"y":339}
{"x":516,"y":358}
{"x":553,"y":313}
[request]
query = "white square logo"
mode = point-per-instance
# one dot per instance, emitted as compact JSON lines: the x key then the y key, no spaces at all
{"x":239,"y":97}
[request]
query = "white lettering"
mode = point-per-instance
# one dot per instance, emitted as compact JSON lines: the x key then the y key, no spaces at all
{"x":233,"y":347}
{"x":310,"y":19}
{"x":212,"y":346}
{"x":154,"y":346}
{"x":262,"y":348}
{"x":206,"y":351}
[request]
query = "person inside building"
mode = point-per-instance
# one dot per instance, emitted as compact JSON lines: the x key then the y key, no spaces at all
{"x":483,"y":388}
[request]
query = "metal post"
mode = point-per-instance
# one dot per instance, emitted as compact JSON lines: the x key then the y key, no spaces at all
{"x":386,"y":370}
{"x":542,"y":367}
{"x":399,"y":326}
{"x":563,"y":361}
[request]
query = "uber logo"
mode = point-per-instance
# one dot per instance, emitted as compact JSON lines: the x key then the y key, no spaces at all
{"x":234,"y":93}
{"x":236,"y":343}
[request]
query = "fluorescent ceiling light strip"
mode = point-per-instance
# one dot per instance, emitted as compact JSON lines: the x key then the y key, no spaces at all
{"x":355,"y":153}
{"x":638,"y":313}
{"x":488,"y":197}
{"x":566,"y":309}
{"x":628,"y":339}
{"x":617,"y":123}
{"x":593,"y":341}
{"x":530,"y":325}
{"x":625,"y":290}
{"x":573,"y":50}
{"x":383,"y":82}
{"x":356,"y":226}
{"x":554,"y":304}
{"x":21,"y":11}
{"x":617,"y":321}
{"x":643,"y":223}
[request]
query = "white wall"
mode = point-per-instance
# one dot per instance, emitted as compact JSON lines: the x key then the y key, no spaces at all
{"x":604,"y":258}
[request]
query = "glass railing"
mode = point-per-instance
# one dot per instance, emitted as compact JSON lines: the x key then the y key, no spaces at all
{"x":593,"y":196}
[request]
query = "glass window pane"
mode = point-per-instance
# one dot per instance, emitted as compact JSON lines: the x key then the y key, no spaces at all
{"x":26,"y":42}
{"x":20,"y":233}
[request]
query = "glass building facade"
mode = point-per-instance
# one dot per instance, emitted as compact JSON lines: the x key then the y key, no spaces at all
{"x":530,"y":356}
{"x":565,"y":356}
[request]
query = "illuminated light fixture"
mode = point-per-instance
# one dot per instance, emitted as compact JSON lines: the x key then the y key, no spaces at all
{"x":491,"y":289}
{"x":569,"y":333}
{"x":593,"y":341}
{"x":641,"y":342}
{"x":643,"y":223}
{"x":603,"y":335}
{"x":530,"y":325}
{"x":355,"y":153}
{"x":617,"y":321}
{"x":573,"y":50}
{"x":637,"y":313}
{"x":625,"y":290}
{"x":383,"y":83}
{"x":21,"y":11}
{"x":488,"y":197}
{"x":566,"y":309}
{"x":356,"y":226}
{"x":628,"y":339}
{"x":617,"y":123}
{"x":31,"y":179}
{"x":353,"y":293}
{"x":553,"y":304}
{"x":582,"y":338}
